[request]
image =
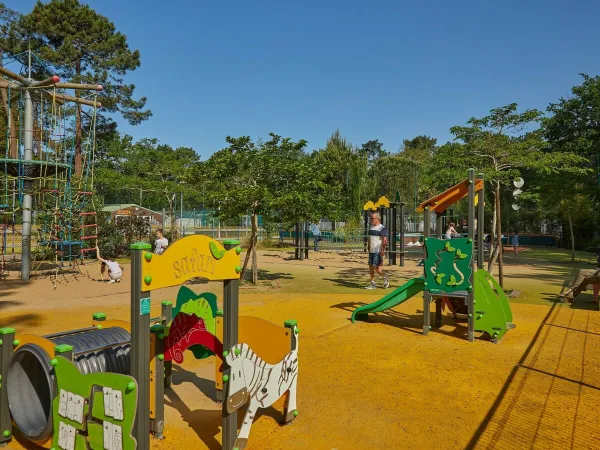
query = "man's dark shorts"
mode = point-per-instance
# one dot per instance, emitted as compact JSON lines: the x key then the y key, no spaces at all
{"x":375,"y":259}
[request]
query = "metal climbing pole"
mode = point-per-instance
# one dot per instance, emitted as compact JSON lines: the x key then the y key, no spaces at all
{"x":27,"y":188}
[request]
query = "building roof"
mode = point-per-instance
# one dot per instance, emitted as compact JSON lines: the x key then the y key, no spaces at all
{"x":118,"y":206}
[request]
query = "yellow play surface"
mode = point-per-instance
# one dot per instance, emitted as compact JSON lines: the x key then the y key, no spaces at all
{"x":380,"y":384}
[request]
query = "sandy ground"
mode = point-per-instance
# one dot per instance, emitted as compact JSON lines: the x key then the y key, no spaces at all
{"x":379,"y":384}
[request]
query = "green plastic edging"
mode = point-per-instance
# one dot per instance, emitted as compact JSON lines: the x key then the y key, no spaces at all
{"x":7,"y":330}
{"x":231,"y":242}
{"x":290,"y":323}
{"x":140,"y":246}
{"x":167,"y":303}
{"x":63,"y":348}
{"x":99,"y":315}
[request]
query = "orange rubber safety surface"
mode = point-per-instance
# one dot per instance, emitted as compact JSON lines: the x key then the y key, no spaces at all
{"x":379,"y":384}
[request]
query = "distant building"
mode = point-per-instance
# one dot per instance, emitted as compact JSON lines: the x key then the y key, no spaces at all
{"x":130,"y":209}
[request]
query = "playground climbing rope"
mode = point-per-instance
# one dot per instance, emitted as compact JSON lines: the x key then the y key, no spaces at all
{"x":46,"y":176}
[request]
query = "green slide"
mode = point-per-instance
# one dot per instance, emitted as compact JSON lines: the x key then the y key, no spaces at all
{"x":492,"y":310}
{"x":399,"y":295}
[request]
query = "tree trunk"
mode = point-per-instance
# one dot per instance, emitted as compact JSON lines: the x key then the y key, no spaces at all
{"x":78,"y":129}
{"x":572,"y":237}
{"x":12,"y":149}
{"x":254,"y":258}
{"x":499,"y":237}
{"x":252,"y":251}
{"x":493,"y":235}
{"x":492,"y":261}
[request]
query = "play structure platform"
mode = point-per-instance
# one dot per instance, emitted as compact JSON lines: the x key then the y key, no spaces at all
{"x":452,"y":277}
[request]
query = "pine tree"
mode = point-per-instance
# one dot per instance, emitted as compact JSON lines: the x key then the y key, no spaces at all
{"x":85,"y":47}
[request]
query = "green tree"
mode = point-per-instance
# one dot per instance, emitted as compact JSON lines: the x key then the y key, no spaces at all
{"x":275,"y":179}
{"x":574,"y":126}
{"x":502,"y":144}
{"x":374,"y":150}
{"x":7,"y":18}
{"x":350,"y":175}
{"x":85,"y":47}
{"x":160,"y":172}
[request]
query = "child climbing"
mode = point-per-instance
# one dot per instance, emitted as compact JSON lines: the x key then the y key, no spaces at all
{"x":161,"y":242}
{"x":115,"y":270}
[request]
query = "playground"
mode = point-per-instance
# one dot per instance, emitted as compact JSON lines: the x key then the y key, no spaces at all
{"x":270,"y":292}
{"x":438,"y":391}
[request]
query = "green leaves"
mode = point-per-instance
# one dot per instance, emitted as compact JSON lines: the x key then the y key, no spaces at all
{"x":439,"y":277}
{"x":452,"y":281}
{"x":461,"y":255}
{"x":448,"y":247}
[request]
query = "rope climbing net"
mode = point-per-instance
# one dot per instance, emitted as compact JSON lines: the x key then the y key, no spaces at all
{"x":46,"y":172}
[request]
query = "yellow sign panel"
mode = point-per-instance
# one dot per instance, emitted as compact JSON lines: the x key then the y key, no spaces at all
{"x":194,"y":256}
{"x":369,"y":205}
{"x":383,"y":202}
{"x":123,"y":212}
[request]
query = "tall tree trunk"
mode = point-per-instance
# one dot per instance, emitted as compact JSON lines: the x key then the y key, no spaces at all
{"x":499,"y":237}
{"x":572,"y":237}
{"x":493,"y":235}
{"x":252,"y":250}
{"x":12,"y":132}
{"x":78,"y":128}
{"x":254,"y":258}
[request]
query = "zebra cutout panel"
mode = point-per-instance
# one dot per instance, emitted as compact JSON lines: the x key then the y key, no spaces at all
{"x":253,"y":380}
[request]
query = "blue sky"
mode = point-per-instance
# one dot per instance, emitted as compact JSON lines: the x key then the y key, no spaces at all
{"x":387,"y":70}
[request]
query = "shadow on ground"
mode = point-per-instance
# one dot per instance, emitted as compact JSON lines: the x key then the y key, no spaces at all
{"x":550,"y":397}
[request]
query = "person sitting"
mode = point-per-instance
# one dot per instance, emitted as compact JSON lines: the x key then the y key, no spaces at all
{"x":451,"y":231}
{"x":115,"y":270}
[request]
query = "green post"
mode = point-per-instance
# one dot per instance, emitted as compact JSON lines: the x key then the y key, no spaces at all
{"x":480,"y":224}
{"x":64,"y":350}
{"x":140,"y":344}
{"x":471,"y":293}
{"x":99,"y":317}
{"x":230,"y":338}
{"x":426,"y":294}
{"x":7,"y":337}
{"x":167,"y":313}
{"x":158,"y":423}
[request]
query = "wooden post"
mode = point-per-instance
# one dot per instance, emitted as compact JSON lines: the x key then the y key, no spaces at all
{"x":471,"y":288}
{"x":140,"y":345}
{"x":230,"y":338}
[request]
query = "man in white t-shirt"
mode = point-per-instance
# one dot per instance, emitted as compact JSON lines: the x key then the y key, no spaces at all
{"x":161,"y":242}
{"x":115,"y":270}
{"x":378,"y":238}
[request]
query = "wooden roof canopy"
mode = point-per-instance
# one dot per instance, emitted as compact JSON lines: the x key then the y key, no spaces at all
{"x":449,"y":197}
